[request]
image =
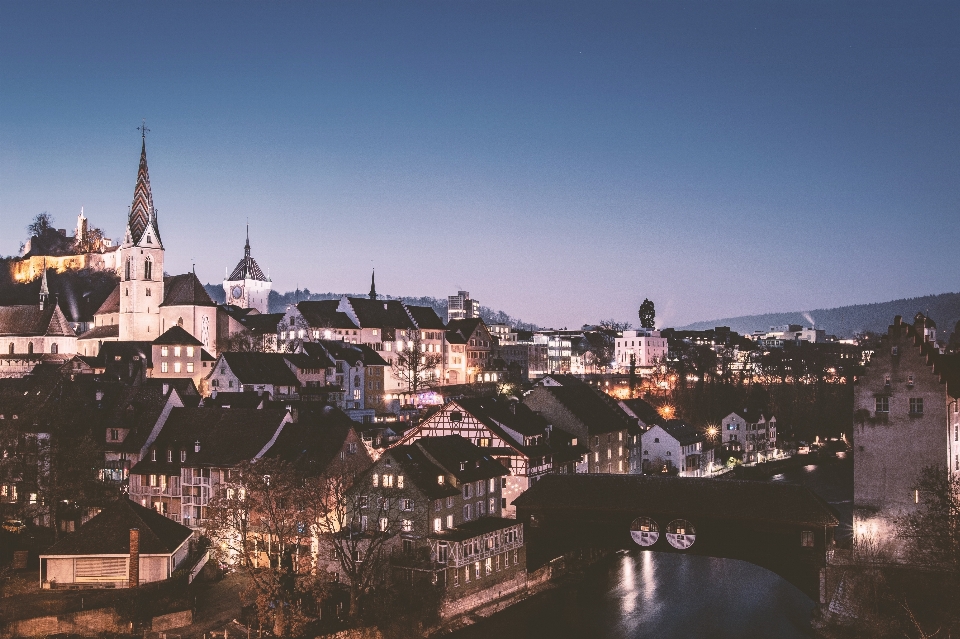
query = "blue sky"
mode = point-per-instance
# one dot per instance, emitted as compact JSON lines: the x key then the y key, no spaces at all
{"x":561,"y":161}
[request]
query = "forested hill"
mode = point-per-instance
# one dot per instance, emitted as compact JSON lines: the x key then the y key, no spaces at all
{"x":847,"y":321}
{"x":280,"y":301}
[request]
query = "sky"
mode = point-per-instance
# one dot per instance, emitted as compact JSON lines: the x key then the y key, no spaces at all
{"x":561,"y":161}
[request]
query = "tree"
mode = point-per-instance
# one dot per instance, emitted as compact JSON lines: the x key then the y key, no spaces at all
{"x":413,"y":365}
{"x":42,"y":223}
{"x":932,"y":531}
{"x":648,"y":314}
{"x":92,"y":241}
{"x":244,"y":341}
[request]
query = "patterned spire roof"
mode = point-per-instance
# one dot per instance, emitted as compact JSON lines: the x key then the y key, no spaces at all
{"x":247,"y":269}
{"x":142,"y":213}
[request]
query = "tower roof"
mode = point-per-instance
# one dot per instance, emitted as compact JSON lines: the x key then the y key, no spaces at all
{"x":142,"y":213}
{"x":247,"y":268}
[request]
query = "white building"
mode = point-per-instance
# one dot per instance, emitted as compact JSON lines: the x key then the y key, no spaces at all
{"x":642,"y":348}
{"x":673,"y":445}
{"x":460,"y":306}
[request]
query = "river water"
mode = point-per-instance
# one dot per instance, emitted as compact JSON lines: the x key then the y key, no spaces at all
{"x":638,"y":594}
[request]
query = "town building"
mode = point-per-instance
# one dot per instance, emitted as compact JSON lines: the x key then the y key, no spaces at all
{"x":778,"y":336}
{"x":32,"y":333}
{"x":468,"y":353}
{"x":461,"y":306}
{"x":590,"y":415}
{"x":672,"y":447}
{"x":905,"y":420}
{"x":358,"y":377}
{"x":522,"y":441}
{"x":264,"y":373}
{"x":247,"y":286}
{"x":642,"y":348}
{"x":125,"y":545}
{"x":752,"y":432}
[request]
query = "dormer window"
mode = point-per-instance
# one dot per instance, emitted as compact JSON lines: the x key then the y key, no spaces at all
{"x":153,"y":455}
{"x":183,"y":456}
{"x":440,"y":479}
{"x":169,"y":456}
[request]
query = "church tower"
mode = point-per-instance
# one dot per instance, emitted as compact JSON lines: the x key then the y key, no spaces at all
{"x":141,"y":262}
{"x":247,"y":286}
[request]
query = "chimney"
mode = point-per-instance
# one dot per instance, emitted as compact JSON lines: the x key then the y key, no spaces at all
{"x":134,"y":572}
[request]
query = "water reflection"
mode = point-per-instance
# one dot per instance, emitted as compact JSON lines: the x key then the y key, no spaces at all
{"x":662,"y":595}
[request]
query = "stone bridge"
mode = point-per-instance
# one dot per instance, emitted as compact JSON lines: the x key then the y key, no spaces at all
{"x":784,"y":528}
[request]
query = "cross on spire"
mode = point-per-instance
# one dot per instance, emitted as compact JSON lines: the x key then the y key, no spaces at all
{"x":143,"y":130}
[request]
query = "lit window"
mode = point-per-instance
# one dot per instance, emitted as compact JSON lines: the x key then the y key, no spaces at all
{"x":189,"y":367}
{"x":164,"y":351}
{"x":176,"y":367}
{"x":399,"y":481}
{"x":407,"y":525}
{"x":440,"y":479}
{"x":449,"y":521}
{"x":376,"y":480}
{"x":437,"y":524}
{"x":176,"y":351}
{"x":163,"y":367}
{"x":189,"y":351}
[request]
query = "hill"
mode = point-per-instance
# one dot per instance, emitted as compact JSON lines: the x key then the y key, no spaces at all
{"x":79,"y":293}
{"x":279,"y":301}
{"x":847,"y":321}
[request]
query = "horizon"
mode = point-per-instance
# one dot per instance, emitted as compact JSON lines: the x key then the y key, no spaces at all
{"x":722,"y":161}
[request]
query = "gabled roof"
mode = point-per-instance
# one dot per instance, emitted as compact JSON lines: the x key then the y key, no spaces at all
{"x":109,"y":532}
{"x":179,"y":336}
{"x":643,"y":410}
{"x":473,"y":528}
{"x":185,"y":290}
{"x":596,"y":410}
{"x":260,"y":368}
{"x":421,"y":471}
{"x":109,"y":331}
{"x":315,"y":440}
{"x":461,"y":458}
{"x":684,"y":433}
{"x":460,"y":330}
{"x":510,"y":413}
{"x":751,"y":416}
{"x":124,"y":352}
{"x":29,"y":319}
{"x":425,"y":317}
{"x":380,"y":313}
{"x":344,"y":351}
{"x":313,"y":360}
{"x":227,"y":437}
{"x":324,"y":314}
{"x":111,"y":304}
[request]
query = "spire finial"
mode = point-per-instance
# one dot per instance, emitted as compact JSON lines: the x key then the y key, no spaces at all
{"x":373,"y":285}
{"x":143,"y":130}
{"x":246,"y":248}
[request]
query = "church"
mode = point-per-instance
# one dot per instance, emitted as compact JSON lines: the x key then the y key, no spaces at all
{"x":146,"y":303}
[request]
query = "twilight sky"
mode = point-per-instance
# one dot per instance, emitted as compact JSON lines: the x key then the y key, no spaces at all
{"x":561,"y":161}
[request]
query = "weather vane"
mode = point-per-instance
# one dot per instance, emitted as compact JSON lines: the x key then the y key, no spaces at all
{"x":143,"y":129}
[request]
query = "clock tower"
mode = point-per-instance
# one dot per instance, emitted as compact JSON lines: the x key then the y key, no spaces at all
{"x":247,"y":286}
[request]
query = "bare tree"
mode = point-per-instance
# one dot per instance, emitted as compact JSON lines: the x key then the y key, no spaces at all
{"x":413,"y":365}
{"x":243,"y":342}
{"x":40,"y":224}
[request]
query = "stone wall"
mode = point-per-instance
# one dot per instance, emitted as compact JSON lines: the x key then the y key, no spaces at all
{"x":88,"y":622}
{"x":484,"y":597}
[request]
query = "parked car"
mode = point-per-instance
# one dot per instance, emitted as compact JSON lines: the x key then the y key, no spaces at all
{"x":13,"y":525}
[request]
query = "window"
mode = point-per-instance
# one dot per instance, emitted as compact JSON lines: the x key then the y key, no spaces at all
{"x":806,"y":539}
{"x":363,"y":501}
{"x":384,"y":522}
{"x":388,"y":481}
{"x":406,"y":505}
{"x":376,"y":480}
{"x":476,"y":569}
{"x":169,"y":456}
{"x":183,"y":456}
{"x":656,"y":440}
{"x":147,"y":269}
{"x":493,"y":505}
{"x":449,"y":502}
{"x":440,"y":479}
{"x":114,"y":434}
{"x":480,"y":488}
{"x":467,"y":491}
{"x":493,"y":485}
{"x":488,"y":565}
{"x":449,"y":521}
{"x":480,"y":509}
{"x":883,"y":405}
{"x":467,"y":512}
{"x":189,"y":367}
{"x":176,"y":367}
{"x":916,"y":406}
{"x":437,"y":525}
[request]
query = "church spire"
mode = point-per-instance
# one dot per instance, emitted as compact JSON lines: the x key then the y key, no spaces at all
{"x":142,"y":214}
{"x":373,"y":285}
{"x":44,"y":289}
{"x":246,"y":248}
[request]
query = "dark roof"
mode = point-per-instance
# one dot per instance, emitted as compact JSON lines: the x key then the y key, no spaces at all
{"x":206,"y":357}
{"x":185,"y":290}
{"x":494,"y":411}
{"x":109,"y":532}
{"x":234,"y":400}
{"x":380,"y":313}
{"x":473,"y":528}
{"x":453,"y":451}
{"x":102,"y":332}
{"x":260,"y":368}
{"x":344,"y":351}
{"x":141,"y":407}
{"x":314,"y":440}
{"x":751,"y":416}
{"x":126,"y":351}
{"x":425,"y":317}
{"x":644,"y":411}
{"x":596,"y":410}
{"x":227,"y":437}
{"x":420,"y":470}
{"x":30,"y":319}
{"x":317,"y":359}
{"x":684,"y":433}
{"x":711,"y":498}
{"x":460,"y":330}
{"x":324,"y":314}
{"x":179,"y":336}
{"x":111,"y":304}
{"x":261,"y":322}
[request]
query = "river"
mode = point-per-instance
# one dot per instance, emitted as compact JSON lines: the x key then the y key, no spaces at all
{"x":638,"y":594}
